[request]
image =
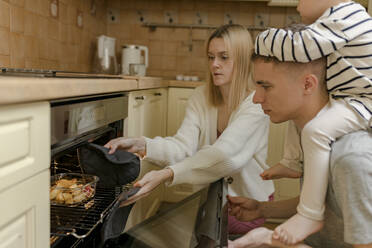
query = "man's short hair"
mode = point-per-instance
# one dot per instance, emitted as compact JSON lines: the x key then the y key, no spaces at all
{"x":317,"y":67}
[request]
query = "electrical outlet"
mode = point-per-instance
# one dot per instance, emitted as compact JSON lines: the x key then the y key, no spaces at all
{"x":201,"y":18}
{"x":261,"y":20}
{"x":113,"y":16}
{"x":141,"y":17}
{"x":170,"y":17}
{"x":292,"y":19}
{"x":80,"y":19}
{"x":229,"y":18}
{"x":54,"y":8}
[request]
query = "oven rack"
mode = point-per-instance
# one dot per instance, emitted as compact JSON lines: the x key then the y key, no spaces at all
{"x":81,"y":220}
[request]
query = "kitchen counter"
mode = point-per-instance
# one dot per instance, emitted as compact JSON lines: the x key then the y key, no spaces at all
{"x":184,"y":84}
{"x":30,"y":89}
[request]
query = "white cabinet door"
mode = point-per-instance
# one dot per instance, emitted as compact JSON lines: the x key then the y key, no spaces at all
{"x":24,"y":175}
{"x":284,"y":188}
{"x":24,"y":141}
{"x":147,"y":113}
{"x":25,"y":213}
{"x":177,"y":100}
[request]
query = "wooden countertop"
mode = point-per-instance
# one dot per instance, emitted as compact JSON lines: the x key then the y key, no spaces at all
{"x":30,"y":89}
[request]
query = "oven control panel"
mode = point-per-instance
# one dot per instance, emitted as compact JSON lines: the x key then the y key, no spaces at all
{"x":74,"y":117}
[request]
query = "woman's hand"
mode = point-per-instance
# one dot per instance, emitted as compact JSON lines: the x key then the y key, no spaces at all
{"x":133,"y":145}
{"x":148,"y":183}
{"x":244,"y":209}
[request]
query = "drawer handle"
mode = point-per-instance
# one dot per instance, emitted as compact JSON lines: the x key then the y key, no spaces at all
{"x":139,"y":98}
{"x":157,"y":94}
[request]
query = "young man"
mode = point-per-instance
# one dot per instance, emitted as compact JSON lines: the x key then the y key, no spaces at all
{"x":339,"y":30}
{"x":297,"y":92}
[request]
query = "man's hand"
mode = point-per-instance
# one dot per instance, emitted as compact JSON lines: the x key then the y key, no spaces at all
{"x":133,"y":145}
{"x":244,"y":209}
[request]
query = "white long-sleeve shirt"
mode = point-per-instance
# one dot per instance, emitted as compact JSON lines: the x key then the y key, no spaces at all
{"x":196,"y":156}
{"x":343,"y":34}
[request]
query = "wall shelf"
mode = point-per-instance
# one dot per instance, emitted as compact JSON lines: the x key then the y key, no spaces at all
{"x":154,"y":26}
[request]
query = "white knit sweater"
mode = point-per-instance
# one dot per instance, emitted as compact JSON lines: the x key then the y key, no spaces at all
{"x":196,"y":156}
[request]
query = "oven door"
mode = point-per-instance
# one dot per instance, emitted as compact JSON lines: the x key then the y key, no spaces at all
{"x":199,"y":220}
{"x":75,"y":122}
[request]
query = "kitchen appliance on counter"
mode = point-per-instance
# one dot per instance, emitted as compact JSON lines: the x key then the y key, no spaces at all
{"x":134,"y":60}
{"x":105,"y":58}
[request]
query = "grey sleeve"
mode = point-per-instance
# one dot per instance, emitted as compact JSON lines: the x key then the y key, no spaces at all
{"x":351,"y":184}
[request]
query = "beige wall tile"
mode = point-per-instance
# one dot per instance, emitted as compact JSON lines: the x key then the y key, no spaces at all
{"x":169,"y":63}
{"x":183,"y":64}
{"x":186,"y":5}
{"x":198,"y":64}
{"x":31,"y":26}
{"x":186,"y":17}
{"x":200,"y":34}
{"x":198,"y":49}
{"x":17,"y":46}
{"x":156,"y":48}
{"x":183,"y":48}
{"x":63,"y":15}
{"x":4,"y":41}
{"x":43,"y":48}
{"x":53,"y":29}
{"x":4,"y":60}
{"x":276,"y":17}
{"x":155,"y":62}
{"x":19,"y":3}
{"x":169,"y":48}
{"x":31,"y":47}
{"x":16,"y":62}
{"x":215,"y":17}
{"x":32,"y":63}
{"x":42,"y":26}
{"x":4,"y":14}
{"x":16,"y":19}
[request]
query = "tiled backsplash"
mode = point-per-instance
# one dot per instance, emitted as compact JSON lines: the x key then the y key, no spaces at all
{"x":175,"y":51}
{"x":31,"y":38}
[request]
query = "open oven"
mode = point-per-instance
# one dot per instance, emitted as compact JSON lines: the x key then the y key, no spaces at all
{"x":74,"y":123}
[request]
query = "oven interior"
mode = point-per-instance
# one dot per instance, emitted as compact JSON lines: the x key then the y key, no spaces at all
{"x":75,"y":122}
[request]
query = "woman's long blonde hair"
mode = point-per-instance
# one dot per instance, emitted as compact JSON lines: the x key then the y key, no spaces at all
{"x":240,"y":47}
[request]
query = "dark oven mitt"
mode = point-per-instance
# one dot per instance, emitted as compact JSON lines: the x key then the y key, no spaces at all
{"x":113,"y":170}
{"x":117,"y":218}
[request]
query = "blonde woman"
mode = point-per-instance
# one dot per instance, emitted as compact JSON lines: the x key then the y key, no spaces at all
{"x":223,"y":134}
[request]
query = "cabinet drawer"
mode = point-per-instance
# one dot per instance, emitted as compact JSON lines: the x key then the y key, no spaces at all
{"x":24,"y":141}
{"x":24,"y":213}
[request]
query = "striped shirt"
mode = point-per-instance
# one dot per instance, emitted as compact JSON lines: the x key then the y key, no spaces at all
{"x":344,"y":35}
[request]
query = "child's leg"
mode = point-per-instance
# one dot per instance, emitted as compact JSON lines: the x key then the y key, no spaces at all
{"x":335,"y":120}
{"x":280,"y":171}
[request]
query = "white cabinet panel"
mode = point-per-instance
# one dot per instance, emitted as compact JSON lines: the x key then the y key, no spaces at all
{"x":177,"y":101}
{"x":24,"y":141}
{"x":284,"y":188}
{"x":147,"y":113}
{"x":25,"y":213}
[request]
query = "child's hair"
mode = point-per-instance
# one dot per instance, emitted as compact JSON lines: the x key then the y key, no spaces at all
{"x":240,"y":47}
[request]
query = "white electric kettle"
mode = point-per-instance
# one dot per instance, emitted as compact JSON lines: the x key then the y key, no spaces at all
{"x":133,"y":62}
